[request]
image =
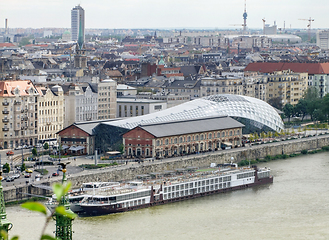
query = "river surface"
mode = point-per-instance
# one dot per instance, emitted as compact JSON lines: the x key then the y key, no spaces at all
{"x":295,"y":206}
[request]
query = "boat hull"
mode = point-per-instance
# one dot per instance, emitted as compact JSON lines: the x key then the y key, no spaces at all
{"x":96,"y":210}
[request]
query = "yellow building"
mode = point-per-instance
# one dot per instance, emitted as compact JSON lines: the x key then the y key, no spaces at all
{"x":287,"y":86}
{"x":50,"y":112}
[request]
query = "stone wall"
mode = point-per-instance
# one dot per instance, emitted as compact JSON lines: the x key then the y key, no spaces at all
{"x":199,"y":160}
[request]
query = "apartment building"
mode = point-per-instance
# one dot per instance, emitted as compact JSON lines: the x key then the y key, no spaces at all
{"x":107,"y":99}
{"x":50,"y":112}
{"x":19,"y":113}
{"x":81,"y":104}
{"x":221,"y":85}
{"x":287,"y":85}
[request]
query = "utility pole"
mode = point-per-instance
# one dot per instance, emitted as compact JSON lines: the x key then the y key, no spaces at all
{"x":5,"y":225}
{"x":63,"y":223}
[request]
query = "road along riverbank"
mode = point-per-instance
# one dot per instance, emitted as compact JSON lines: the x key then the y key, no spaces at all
{"x":126,"y":172}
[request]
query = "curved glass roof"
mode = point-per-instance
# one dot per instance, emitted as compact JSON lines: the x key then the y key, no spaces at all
{"x":258,"y":113}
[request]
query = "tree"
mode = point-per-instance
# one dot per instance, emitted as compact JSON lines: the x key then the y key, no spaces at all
{"x":325,"y":106}
{"x":301,"y":108}
{"x":34,"y":152}
{"x":46,"y":147}
{"x":275,"y":102}
{"x":6,"y":168}
{"x":313,"y":101}
{"x":288,"y":110}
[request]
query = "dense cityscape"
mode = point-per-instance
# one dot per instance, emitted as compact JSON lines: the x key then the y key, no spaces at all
{"x":154,"y":96}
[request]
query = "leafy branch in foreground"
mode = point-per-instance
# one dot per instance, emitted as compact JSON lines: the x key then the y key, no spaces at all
{"x":60,"y":191}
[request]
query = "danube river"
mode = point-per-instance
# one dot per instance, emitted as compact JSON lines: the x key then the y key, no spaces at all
{"x":295,"y":206}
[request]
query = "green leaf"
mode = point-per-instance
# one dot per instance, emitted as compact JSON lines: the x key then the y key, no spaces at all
{"x":67,"y":187}
{"x":3,"y":234}
{"x":67,"y":213}
{"x":58,"y":190}
{"x":35,"y":206}
{"x":14,"y":238}
{"x":47,"y":237}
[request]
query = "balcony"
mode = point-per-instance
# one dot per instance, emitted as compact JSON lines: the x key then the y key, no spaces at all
{"x":5,"y":103}
{"x":24,"y":118}
{"x":5,"y":129}
{"x":5,"y":112}
{"x":5,"y":120}
{"x":17,"y":102}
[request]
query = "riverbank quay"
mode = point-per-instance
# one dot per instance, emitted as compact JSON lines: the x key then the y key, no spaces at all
{"x":131,"y":170}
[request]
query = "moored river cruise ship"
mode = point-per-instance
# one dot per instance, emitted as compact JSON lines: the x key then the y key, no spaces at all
{"x":171,"y":187}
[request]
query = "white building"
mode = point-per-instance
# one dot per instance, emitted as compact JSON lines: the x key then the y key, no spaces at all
{"x":132,"y":107}
{"x":77,"y":18}
{"x":322,"y":39}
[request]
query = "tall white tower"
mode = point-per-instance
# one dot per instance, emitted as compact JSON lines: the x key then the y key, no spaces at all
{"x":77,"y":18}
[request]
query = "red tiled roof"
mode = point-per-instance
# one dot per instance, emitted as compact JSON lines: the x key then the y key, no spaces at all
{"x":269,"y":67}
{"x":6,"y":45}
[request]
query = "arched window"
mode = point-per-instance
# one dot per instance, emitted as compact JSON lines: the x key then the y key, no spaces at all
{"x":188,"y":139}
{"x":201,"y":137}
{"x":209,"y":136}
{"x":180,"y":140}
{"x":238,"y":132}
{"x":158,"y":143}
{"x":218,"y":135}
{"x":167,"y":141}
{"x":175,"y":140}
{"x":197,"y":138}
{"x":223,"y":134}
{"x":230,"y":133}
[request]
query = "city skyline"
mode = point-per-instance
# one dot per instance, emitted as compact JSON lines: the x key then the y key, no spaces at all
{"x":168,"y":14}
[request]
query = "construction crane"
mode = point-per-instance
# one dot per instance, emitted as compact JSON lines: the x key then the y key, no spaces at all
{"x":264,"y":25}
{"x":309,"y":26}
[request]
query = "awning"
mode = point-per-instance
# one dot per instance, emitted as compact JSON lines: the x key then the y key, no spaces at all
{"x":113,"y":153}
{"x":65,"y":147}
{"x":73,"y":148}
{"x":227,"y":143}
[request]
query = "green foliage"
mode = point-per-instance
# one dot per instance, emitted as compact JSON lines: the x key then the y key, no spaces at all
{"x":122,"y":148}
{"x":6,"y":168}
{"x":45,"y":146}
{"x":304,"y":151}
{"x":35,"y":206}
{"x":34,"y":152}
{"x":42,"y":171}
{"x":60,"y":191}
{"x":325,"y":148}
{"x":23,"y":167}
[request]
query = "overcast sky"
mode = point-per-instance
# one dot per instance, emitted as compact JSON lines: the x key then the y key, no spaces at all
{"x":164,"y":13}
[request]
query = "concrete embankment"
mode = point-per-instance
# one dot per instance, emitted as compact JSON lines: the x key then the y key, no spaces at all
{"x":199,"y":160}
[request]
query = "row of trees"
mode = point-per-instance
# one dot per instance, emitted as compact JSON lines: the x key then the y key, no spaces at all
{"x":310,"y":105}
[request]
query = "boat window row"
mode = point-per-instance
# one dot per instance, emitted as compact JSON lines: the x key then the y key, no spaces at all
{"x":133,"y":203}
{"x":263,"y":174}
{"x":196,"y":184}
{"x":133,"y":195}
{"x":196,"y":190}
{"x":245,"y":175}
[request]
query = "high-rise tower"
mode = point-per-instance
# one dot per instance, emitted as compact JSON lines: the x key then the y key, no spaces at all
{"x":77,"y":22}
{"x":245,"y":18}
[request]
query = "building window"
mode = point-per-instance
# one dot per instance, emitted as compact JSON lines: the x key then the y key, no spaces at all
{"x":209,"y":136}
{"x":201,"y":137}
{"x":166,"y":141}
{"x":158,"y":143}
{"x":175,"y":140}
{"x":223,"y":134}
{"x":157,"y":107}
{"x":197,"y":138}
{"x":180,"y":140}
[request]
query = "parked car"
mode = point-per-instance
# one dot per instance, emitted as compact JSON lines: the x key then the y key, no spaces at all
{"x":10,"y":179}
{"x":18,"y":147}
{"x":55,"y":174}
{"x":10,"y":153}
{"x":27,"y":175}
{"x":38,"y":176}
{"x":16,"y":176}
{"x":29,"y":170}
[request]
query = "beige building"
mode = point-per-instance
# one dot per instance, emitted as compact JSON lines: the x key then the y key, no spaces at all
{"x":19,"y":113}
{"x":224,"y":85}
{"x":287,"y":85}
{"x":107,"y":99}
{"x":50,"y":112}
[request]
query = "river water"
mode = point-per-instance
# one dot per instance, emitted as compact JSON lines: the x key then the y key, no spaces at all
{"x":295,"y":206}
